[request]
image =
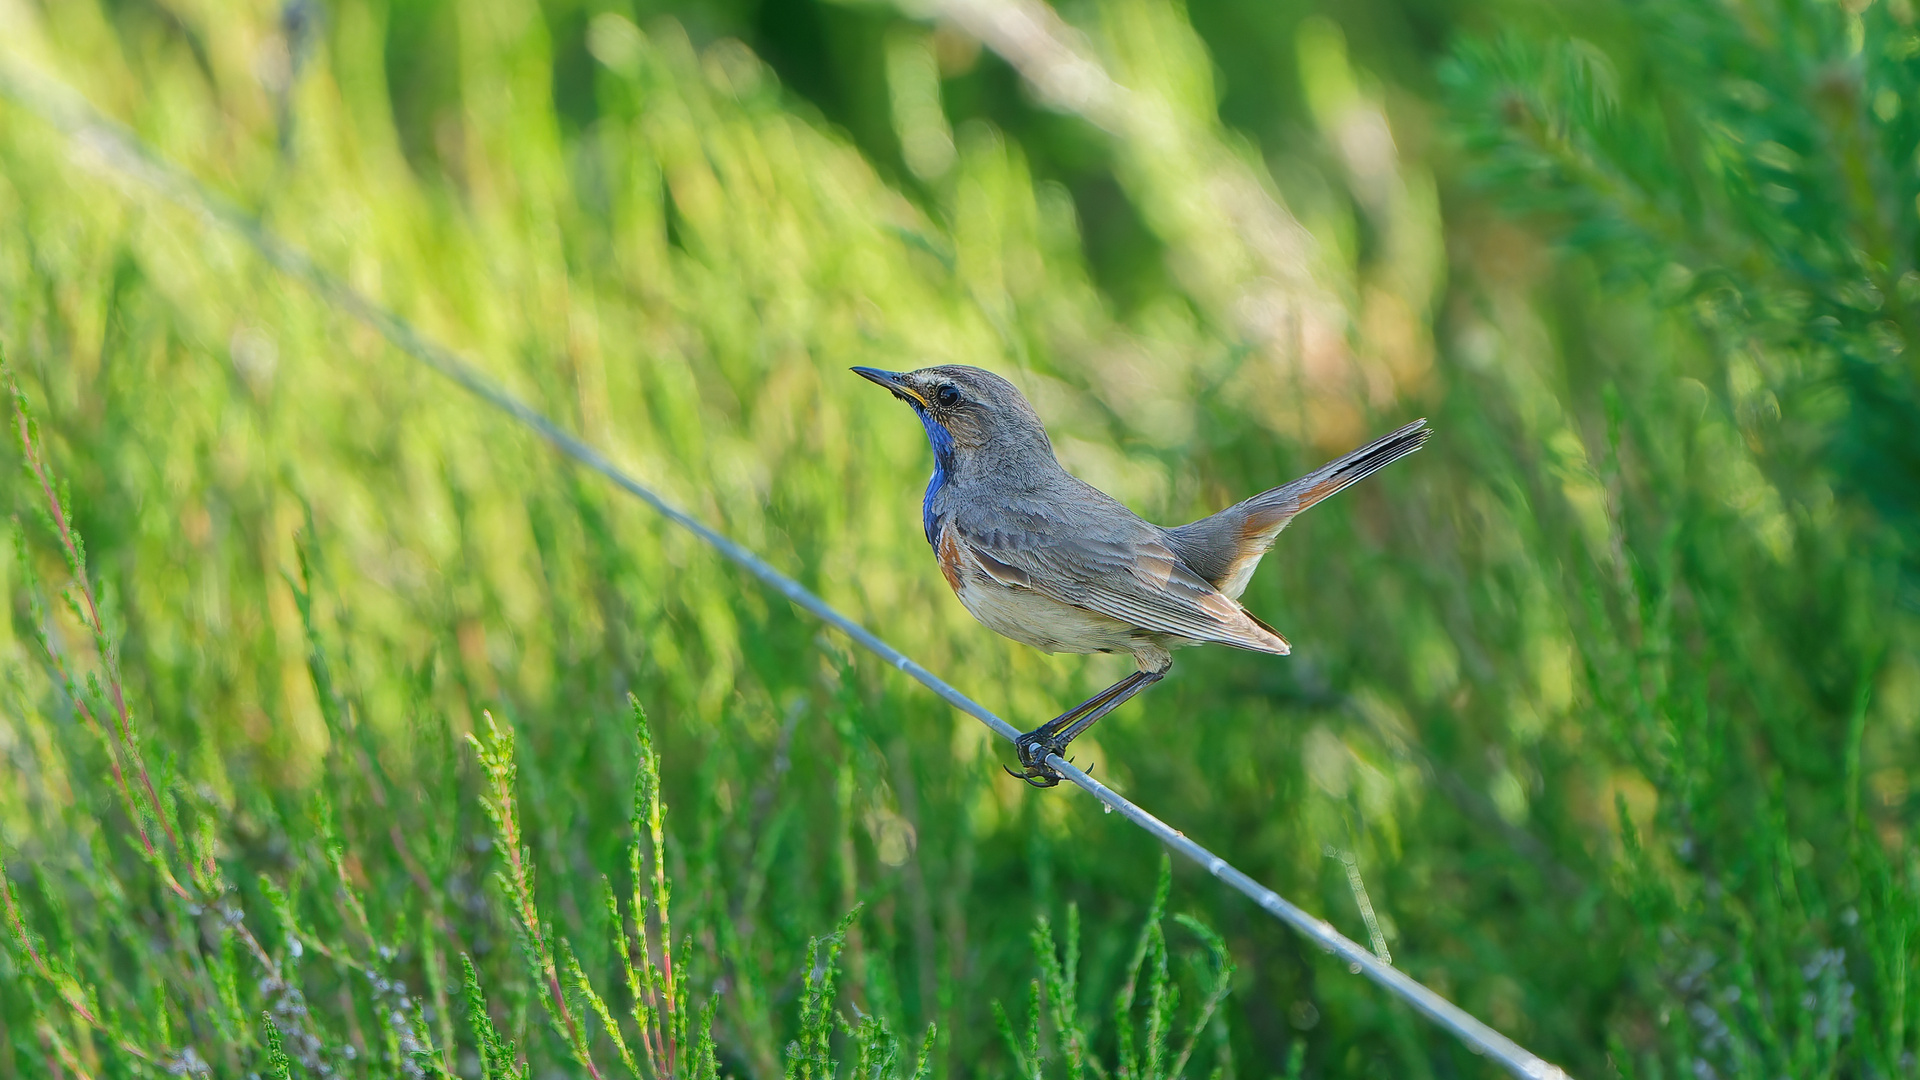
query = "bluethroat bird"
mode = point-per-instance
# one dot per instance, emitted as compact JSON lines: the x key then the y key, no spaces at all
{"x":1042,"y":557}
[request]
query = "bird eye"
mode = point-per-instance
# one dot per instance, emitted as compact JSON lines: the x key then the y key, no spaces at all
{"x":947,"y":396}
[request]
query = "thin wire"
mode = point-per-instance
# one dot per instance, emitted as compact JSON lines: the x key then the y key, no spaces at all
{"x":122,"y":151}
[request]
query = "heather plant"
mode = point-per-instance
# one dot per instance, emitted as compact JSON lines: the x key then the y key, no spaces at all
{"x":1150,"y":1051}
{"x":1600,"y":718}
{"x":84,"y":989}
{"x":1751,"y":188}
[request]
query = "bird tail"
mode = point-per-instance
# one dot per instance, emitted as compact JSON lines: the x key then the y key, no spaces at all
{"x":1225,"y":548}
{"x":1338,"y":475}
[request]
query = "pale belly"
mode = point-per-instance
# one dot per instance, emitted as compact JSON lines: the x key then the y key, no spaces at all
{"x":1032,"y":619}
{"x":1050,"y":626}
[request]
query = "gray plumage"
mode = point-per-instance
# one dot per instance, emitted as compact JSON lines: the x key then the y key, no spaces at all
{"x":1047,"y":559}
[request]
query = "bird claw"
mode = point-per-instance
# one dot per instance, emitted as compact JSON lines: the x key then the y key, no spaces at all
{"x":1041,"y":777}
{"x":1034,"y":749}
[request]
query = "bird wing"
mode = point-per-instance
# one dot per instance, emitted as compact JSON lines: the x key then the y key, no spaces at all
{"x":1138,"y":580}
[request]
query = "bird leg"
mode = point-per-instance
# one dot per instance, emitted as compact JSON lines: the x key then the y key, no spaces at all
{"x":1053,"y":736}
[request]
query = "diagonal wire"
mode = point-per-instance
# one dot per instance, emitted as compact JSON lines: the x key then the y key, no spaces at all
{"x":121,"y":151}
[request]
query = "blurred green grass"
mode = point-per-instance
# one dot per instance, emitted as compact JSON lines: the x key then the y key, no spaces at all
{"x":1610,"y":692}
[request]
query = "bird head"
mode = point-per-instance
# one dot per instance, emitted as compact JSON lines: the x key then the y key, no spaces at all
{"x":974,"y":419}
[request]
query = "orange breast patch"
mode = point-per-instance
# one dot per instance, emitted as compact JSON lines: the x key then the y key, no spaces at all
{"x":949,"y":555}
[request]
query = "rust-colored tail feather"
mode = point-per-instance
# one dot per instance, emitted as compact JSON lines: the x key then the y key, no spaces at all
{"x":1224,"y":548}
{"x":1336,"y":476}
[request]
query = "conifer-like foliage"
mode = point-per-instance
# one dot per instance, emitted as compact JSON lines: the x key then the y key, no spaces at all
{"x":1755,"y":173}
{"x":1747,"y":175}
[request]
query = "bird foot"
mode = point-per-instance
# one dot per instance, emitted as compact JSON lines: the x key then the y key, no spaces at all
{"x":1034,"y":747}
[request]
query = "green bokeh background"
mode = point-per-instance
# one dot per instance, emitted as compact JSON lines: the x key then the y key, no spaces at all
{"x":1609,"y":694}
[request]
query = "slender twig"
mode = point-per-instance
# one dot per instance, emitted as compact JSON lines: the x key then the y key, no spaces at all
{"x":127,"y":155}
{"x":68,"y":990}
{"x":1358,"y":886}
{"x":99,"y":730}
{"x":497,"y":758}
{"x":59,"y":1054}
{"x":65,"y":986}
{"x":120,"y":743}
{"x":108,"y":658}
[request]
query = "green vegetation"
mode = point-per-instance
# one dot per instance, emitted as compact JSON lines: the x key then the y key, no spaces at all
{"x":341,"y":718}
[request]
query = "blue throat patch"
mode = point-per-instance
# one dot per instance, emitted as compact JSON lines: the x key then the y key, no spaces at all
{"x":942,"y":464}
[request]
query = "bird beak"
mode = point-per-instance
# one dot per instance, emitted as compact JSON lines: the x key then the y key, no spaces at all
{"x":892,"y":381}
